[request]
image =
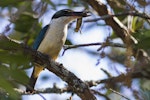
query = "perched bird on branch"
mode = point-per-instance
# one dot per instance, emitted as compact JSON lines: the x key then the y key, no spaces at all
{"x":51,"y":39}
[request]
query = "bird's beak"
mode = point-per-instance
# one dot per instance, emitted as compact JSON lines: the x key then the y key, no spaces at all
{"x":80,"y":14}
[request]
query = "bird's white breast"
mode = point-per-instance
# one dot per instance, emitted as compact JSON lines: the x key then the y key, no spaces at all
{"x":54,"y":39}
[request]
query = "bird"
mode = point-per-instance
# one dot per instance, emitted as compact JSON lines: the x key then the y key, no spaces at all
{"x":52,"y":38}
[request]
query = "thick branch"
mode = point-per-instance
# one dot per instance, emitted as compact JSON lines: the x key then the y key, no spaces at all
{"x":75,"y":84}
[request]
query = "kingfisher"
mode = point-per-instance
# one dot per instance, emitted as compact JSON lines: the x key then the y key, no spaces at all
{"x":52,"y":38}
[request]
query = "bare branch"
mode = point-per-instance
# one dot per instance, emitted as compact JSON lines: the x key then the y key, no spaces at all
{"x":66,"y":47}
{"x":119,"y":94}
{"x":46,"y":90}
{"x":117,"y":15}
{"x":100,"y":94}
{"x":121,"y":78}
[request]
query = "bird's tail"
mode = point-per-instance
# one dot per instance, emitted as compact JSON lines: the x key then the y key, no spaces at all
{"x":36,"y":71}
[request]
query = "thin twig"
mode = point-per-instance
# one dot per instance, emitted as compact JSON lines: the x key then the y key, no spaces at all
{"x":66,"y":47}
{"x":119,"y":14}
{"x":120,"y":78}
{"x":42,"y":96}
{"x":100,"y":94}
{"x":119,"y":94}
{"x":45,"y":90}
{"x":106,"y":72}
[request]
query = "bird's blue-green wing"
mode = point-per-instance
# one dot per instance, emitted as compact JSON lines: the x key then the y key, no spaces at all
{"x":40,"y":37}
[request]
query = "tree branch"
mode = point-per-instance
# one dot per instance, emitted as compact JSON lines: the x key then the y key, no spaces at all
{"x":94,"y":44}
{"x":75,"y":84}
{"x":121,"y":78}
{"x":100,"y":94}
{"x":105,"y":17}
{"x":46,"y":90}
{"x":119,"y":94}
{"x":67,"y":47}
{"x":108,"y":82}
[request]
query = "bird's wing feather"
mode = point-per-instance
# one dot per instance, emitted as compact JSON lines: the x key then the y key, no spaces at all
{"x":40,"y":37}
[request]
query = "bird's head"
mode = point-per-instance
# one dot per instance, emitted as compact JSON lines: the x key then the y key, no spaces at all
{"x":68,"y":15}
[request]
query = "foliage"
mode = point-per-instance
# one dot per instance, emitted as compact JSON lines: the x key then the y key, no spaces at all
{"x":12,"y":66}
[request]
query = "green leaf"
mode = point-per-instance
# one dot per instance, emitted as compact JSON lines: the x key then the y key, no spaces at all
{"x":68,"y":42}
{"x":7,"y":3}
{"x":19,"y":76}
{"x":69,"y":2}
{"x":24,"y":23}
{"x":137,"y":23}
{"x":17,"y":59}
{"x":145,"y":43}
{"x":5,"y":85}
{"x":143,"y":38}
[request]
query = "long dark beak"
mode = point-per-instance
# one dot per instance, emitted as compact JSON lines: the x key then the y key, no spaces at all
{"x":80,"y":14}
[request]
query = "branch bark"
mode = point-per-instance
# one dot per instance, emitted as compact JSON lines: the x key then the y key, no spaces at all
{"x":75,"y":84}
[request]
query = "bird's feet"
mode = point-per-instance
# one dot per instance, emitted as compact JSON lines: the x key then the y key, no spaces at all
{"x":30,"y":90}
